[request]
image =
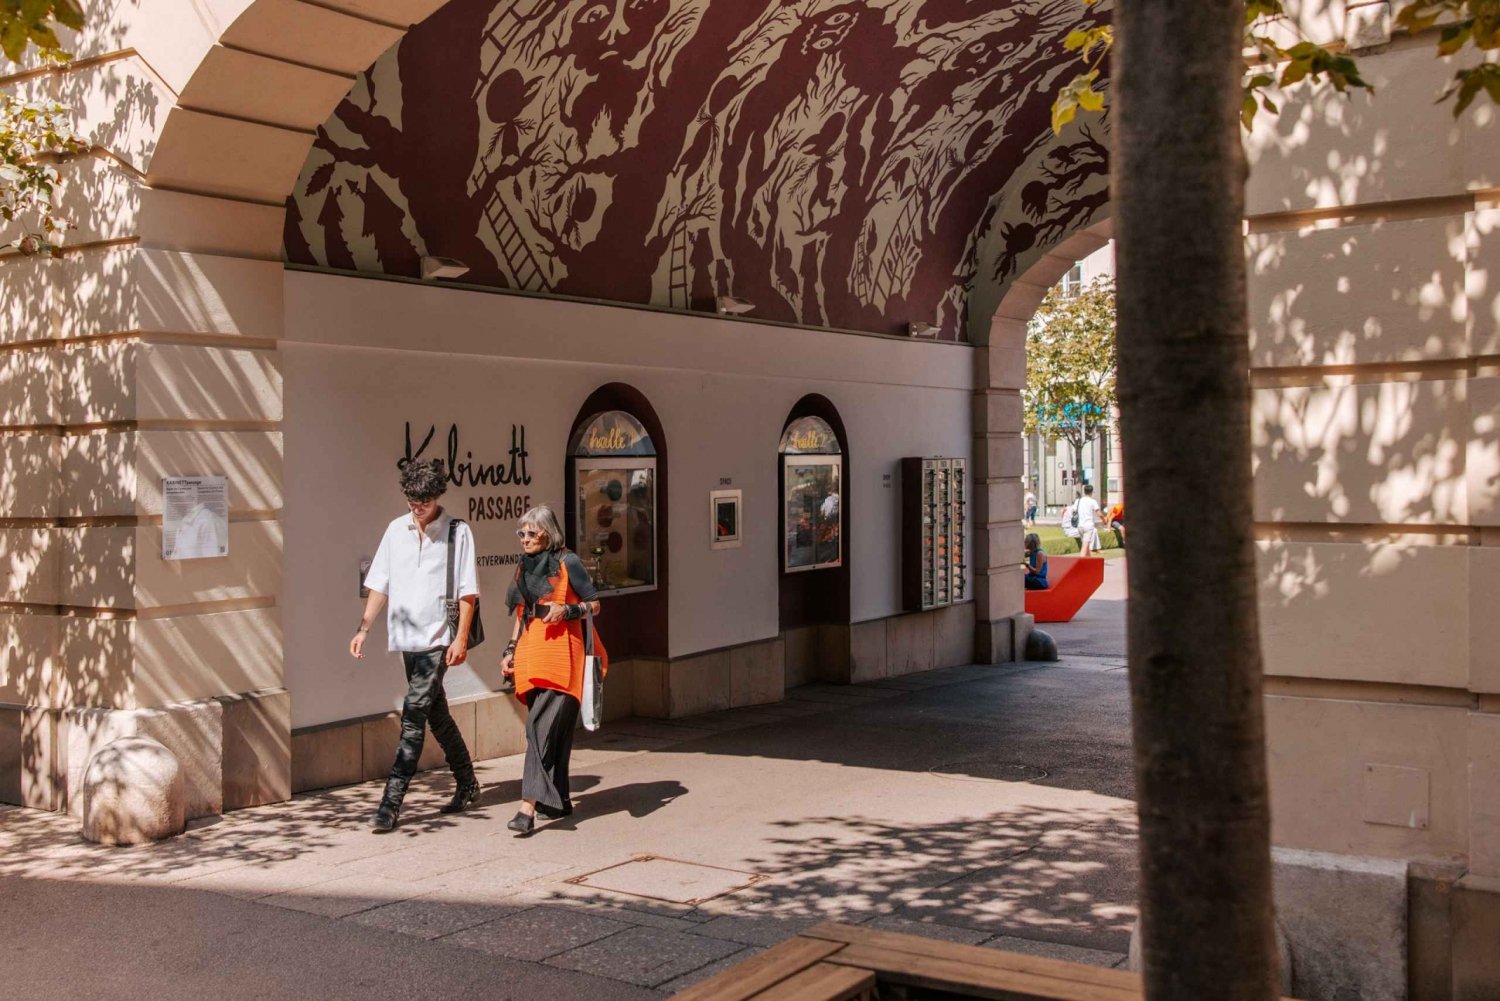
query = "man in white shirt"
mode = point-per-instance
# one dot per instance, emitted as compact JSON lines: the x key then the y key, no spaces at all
{"x":1088,"y":520}
{"x":411,"y":567}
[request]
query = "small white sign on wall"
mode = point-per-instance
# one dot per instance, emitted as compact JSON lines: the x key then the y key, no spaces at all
{"x":194,"y":517}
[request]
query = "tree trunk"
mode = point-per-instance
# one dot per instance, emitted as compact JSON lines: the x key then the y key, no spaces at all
{"x":1195,"y":670}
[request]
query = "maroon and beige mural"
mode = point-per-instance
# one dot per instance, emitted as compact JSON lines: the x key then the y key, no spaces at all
{"x":863,"y":164}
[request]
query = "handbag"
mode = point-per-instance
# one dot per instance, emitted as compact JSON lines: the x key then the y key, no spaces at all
{"x":592,"y":709}
{"x":451,"y":603}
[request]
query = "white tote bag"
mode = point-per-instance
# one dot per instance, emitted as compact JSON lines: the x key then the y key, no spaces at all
{"x":593,"y":677}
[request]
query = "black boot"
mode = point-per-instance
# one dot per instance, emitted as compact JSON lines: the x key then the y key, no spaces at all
{"x":385,"y":817}
{"x":551,"y":814}
{"x":465,"y":796}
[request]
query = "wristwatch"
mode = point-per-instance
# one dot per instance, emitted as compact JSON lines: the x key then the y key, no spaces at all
{"x":362,"y":628}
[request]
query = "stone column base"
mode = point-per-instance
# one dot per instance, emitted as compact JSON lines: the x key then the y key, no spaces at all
{"x":1002,"y":641}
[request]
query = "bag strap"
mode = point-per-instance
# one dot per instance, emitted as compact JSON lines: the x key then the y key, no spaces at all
{"x":453,"y":524}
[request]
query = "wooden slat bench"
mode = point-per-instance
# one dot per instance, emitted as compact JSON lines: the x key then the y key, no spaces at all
{"x":808,"y":968}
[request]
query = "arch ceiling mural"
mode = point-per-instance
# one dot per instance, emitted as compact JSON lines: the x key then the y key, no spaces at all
{"x":862,"y":164}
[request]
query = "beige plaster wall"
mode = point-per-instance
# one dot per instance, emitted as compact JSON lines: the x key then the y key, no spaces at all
{"x":1370,"y":252}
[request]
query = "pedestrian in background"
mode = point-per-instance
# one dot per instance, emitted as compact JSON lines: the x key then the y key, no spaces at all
{"x":411,"y":567}
{"x":1029,"y":518}
{"x":1088,"y":520}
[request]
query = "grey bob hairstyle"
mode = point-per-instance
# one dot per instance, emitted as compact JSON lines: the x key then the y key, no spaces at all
{"x":541,"y":517}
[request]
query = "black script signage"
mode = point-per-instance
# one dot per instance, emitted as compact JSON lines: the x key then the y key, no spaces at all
{"x":465,"y":471}
{"x":613,"y":432}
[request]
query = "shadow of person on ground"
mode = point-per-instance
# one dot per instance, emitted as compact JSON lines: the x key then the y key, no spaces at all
{"x":639,"y":799}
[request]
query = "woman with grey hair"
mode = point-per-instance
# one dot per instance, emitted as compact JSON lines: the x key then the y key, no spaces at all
{"x":551,"y":594}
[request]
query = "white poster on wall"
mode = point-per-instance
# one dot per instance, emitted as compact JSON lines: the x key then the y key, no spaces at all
{"x":195,"y":517}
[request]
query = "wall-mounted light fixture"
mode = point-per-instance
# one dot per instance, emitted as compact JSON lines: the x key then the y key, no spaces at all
{"x":923,"y":329}
{"x":731,"y":306}
{"x":443,"y":267}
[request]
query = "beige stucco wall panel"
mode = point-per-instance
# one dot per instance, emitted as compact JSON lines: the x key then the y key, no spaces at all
{"x":245,"y":85}
{"x":1484,"y":279}
{"x":1366,"y":454}
{"x":1482,"y":587}
{"x":213,"y":155}
{"x":1320,"y":752}
{"x":1327,"y":611}
{"x":121,"y":567}
{"x":1325,"y":149}
{"x":135,"y":289}
{"x":29,"y":658}
{"x":31,"y":565}
{"x":119,"y":105}
{"x":1484,"y":793}
{"x":119,"y":473}
{"x":28,"y":387}
{"x":128,"y":381}
{"x":1389,"y":291}
{"x":29,"y":475}
{"x":126,"y":663}
{"x":1482,"y":461}
{"x":28,"y":310}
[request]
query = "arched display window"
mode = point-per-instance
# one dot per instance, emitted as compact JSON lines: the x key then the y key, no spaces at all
{"x":812,"y":463}
{"x":614,"y":494}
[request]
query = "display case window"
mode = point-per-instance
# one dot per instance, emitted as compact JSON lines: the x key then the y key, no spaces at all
{"x":812,"y":481}
{"x":614,"y":474}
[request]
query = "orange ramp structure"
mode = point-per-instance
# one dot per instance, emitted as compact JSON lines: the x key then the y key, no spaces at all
{"x":1074,"y":580}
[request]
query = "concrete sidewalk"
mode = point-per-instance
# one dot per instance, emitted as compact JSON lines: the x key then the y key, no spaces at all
{"x":987,"y":805}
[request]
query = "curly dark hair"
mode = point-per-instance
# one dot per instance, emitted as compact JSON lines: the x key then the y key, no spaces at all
{"x":424,"y":481}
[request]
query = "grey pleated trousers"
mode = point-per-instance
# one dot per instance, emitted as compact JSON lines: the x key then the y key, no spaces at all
{"x":550,"y":723}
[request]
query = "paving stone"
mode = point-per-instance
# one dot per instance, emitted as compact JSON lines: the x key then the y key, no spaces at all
{"x":249,"y":882}
{"x":432,"y":916}
{"x":1055,"y":950}
{"x":344,"y":896}
{"x":537,"y":933}
{"x":645,"y":956}
{"x":713,"y":969}
{"x":929,"y":929}
{"x":755,"y":931}
{"x":496,"y":877}
{"x":417,"y":863}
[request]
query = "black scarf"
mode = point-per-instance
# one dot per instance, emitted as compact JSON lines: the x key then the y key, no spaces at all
{"x":537,"y":575}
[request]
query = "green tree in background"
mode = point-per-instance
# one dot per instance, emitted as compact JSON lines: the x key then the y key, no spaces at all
{"x":32,"y":133}
{"x":1070,"y":366}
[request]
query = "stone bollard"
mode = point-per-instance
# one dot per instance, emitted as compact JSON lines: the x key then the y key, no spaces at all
{"x":1041,"y":646}
{"x":133,"y":792}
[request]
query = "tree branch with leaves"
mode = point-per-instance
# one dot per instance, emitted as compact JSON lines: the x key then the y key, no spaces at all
{"x":34,"y":133}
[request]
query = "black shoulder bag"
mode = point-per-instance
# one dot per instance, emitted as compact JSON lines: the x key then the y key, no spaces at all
{"x":451,"y":602}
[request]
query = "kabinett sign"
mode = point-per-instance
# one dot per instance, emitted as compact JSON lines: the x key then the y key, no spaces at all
{"x":467,"y":472}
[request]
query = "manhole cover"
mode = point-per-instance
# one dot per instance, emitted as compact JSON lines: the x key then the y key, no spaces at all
{"x":986,"y":770}
{"x":668,"y":879}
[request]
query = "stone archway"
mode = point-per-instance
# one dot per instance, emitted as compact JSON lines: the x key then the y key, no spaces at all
{"x":1001,"y":622}
{"x":149,"y":348}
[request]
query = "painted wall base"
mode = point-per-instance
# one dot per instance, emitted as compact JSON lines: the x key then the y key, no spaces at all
{"x":1002,"y":641}
{"x":752,"y":674}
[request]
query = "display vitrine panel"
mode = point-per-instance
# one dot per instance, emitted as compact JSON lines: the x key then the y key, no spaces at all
{"x":934,"y":552}
{"x":814,"y":515}
{"x":616,"y":530}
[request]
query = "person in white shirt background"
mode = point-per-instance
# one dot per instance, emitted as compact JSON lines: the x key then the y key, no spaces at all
{"x":411,"y":567}
{"x":1088,"y":520}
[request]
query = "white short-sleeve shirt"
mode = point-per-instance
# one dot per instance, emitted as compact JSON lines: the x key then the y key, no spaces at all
{"x":1088,"y":512}
{"x":411,"y":569}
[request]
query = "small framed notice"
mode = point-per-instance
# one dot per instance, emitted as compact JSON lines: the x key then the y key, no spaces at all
{"x":724,"y":512}
{"x":194,"y":517}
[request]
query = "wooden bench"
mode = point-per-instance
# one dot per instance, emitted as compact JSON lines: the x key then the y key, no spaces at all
{"x":843,"y":963}
{"x":1073,"y":581}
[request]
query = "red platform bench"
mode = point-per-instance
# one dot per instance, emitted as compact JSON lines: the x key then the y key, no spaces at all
{"x":1073,"y":580}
